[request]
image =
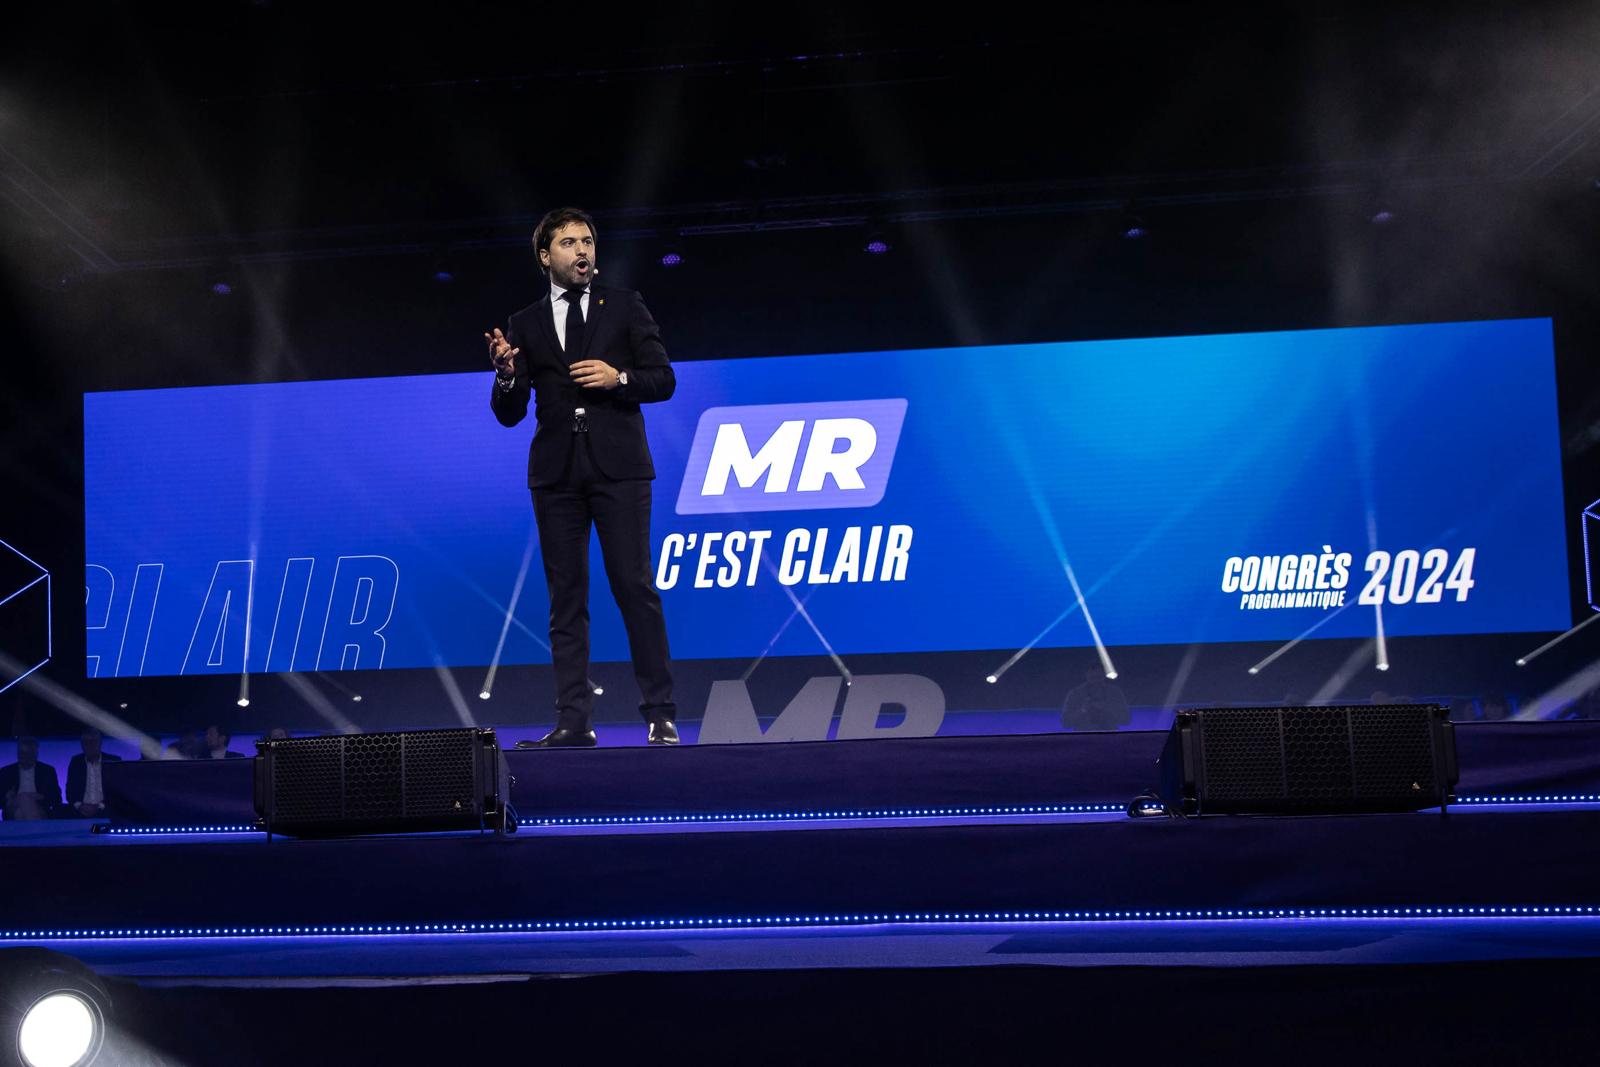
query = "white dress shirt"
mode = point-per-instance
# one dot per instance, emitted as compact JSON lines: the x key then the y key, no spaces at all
{"x":93,"y":789}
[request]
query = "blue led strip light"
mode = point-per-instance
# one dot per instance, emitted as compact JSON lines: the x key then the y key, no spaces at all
{"x":708,"y":817}
{"x":788,"y":816}
{"x":148,"y":831}
{"x":904,"y":918}
{"x":880,"y":813}
{"x":1531,"y":798}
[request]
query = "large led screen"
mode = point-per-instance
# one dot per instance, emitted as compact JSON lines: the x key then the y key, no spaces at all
{"x":1247,"y":487}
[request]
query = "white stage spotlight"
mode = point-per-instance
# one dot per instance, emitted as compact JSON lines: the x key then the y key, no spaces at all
{"x":59,"y":1030}
{"x":53,"y":1009}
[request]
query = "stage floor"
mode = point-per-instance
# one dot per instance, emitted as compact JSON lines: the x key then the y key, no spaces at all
{"x":923,"y":853}
{"x":1427,"y":883}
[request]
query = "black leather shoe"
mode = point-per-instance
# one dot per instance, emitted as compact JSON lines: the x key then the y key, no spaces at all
{"x":562,"y":737}
{"x":663,"y":732}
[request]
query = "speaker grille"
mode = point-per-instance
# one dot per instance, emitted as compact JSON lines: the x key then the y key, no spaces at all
{"x":1316,"y":754}
{"x":1243,"y":760}
{"x":438,"y":773}
{"x":372,"y":782}
{"x":308,"y":778}
{"x":1393,"y":751}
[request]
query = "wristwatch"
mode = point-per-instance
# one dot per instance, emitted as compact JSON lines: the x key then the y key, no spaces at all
{"x":622,"y":378}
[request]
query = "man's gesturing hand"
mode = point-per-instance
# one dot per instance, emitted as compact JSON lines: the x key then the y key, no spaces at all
{"x":502,"y":354}
{"x":594,"y":374}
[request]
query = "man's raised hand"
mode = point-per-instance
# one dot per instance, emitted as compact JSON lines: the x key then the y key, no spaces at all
{"x":501,"y":354}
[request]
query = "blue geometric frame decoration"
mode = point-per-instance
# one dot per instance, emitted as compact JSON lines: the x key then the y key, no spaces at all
{"x":1591,"y":553}
{"x":26,"y":626}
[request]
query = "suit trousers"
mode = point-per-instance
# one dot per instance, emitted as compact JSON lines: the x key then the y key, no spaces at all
{"x":620,"y":512}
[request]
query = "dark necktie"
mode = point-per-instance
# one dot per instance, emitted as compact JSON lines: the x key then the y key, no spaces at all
{"x":574,"y":299}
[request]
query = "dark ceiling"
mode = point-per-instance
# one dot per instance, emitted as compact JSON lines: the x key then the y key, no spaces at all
{"x":136,"y":136}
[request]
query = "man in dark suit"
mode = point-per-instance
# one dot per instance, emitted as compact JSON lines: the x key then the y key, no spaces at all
{"x":29,"y":789}
{"x":589,"y":355}
{"x":86,"y":790}
{"x":217,"y":741}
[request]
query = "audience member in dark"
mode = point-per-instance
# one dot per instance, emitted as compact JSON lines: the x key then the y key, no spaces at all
{"x":1095,"y":705}
{"x":86,"y":792}
{"x":1495,"y":708}
{"x":217,"y":744}
{"x":185,"y":747}
{"x":1464,"y":709}
{"x":29,"y":789}
{"x":278,"y":733}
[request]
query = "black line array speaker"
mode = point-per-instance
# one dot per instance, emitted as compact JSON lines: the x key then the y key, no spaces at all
{"x":1322,"y":760}
{"x":384,"y":783}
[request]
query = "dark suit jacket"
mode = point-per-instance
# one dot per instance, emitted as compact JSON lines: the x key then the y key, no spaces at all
{"x":45,"y":783}
{"x":619,"y":331}
{"x":78,"y":775}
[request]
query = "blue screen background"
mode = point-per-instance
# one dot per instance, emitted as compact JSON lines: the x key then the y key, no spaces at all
{"x":1144,"y":464}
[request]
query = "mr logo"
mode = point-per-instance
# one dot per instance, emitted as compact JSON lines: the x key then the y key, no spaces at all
{"x":745,"y":458}
{"x":731,"y":716}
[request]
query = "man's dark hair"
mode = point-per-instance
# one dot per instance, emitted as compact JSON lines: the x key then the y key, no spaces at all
{"x":554,"y":220}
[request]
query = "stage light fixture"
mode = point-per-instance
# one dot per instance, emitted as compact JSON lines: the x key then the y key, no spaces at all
{"x":58,"y":1031}
{"x":598,"y":691}
{"x":244,"y":702}
{"x":356,"y":697}
{"x":991,"y":679}
{"x":221,"y":288}
{"x":1382,"y":217}
{"x":877,"y":244}
{"x":1133,"y":226}
{"x":484,"y":695}
{"x":52,"y":1009}
{"x":672,"y":257}
{"x":442,"y":265}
